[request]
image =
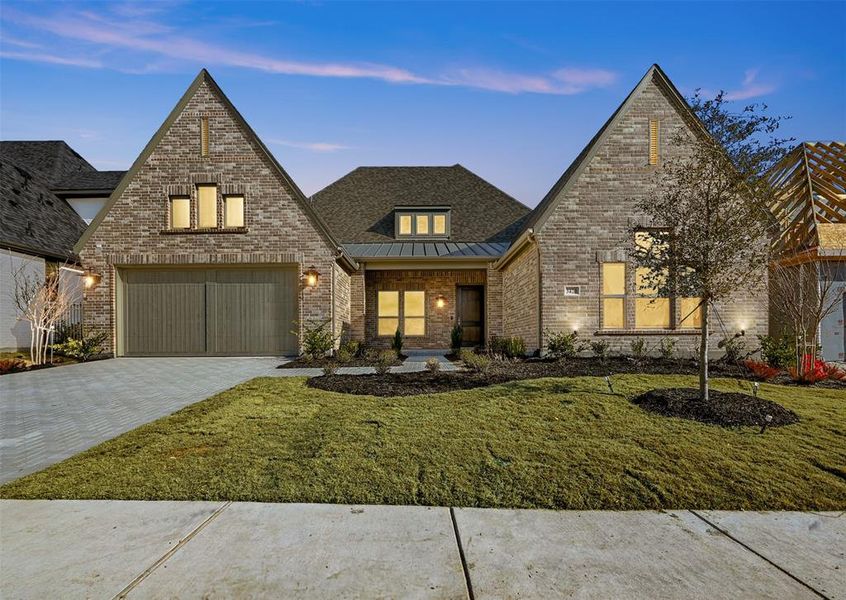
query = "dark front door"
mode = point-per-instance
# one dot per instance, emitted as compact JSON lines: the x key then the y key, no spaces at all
{"x":471,"y":314}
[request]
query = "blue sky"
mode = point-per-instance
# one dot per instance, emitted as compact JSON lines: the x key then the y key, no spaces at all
{"x":511,"y":91}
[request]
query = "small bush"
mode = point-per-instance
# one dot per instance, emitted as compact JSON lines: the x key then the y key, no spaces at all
{"x":509,"y":347}
{"x":352,"y":347}
{"x":344,"y":355}
{"x":778,"y":352}
{"x":316,"y":339}
{"x":600,"y":349}
{"x":733,"y":347}
{"x":66,"y":331}
{"x":638,"y":348}
{"x":667,"y":348}
{"x":563,"y":345}
{"x":81,"y":349}
{"x":330,"y":368}
{"x":834,"y":373}
{"x":456,"y":336}
{"x":371,"y":355}
{"x":11,"y":365}
{"x":397,"y":342}
{"x":433,"y":365}
{"x":385,"y":360}
{"x":476,"y":362}
{"x":761,"y":370}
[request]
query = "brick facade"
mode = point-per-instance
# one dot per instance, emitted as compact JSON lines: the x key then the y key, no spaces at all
{"x":439,"y":321}
{"x":520,"y":297}
{"x":277,"y":230}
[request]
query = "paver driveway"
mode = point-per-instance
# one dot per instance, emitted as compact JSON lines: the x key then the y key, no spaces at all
{"x":51,"y":414}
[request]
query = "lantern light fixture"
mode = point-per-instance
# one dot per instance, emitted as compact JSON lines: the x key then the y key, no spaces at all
{"x":440,"y":301}
{"x":90,"y":279}
{"x":311,"y":276}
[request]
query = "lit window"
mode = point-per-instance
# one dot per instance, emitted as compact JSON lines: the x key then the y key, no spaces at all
{"x":654,"y":140}
{"x":206,"y":206}
{"x":388,"y":313}
{"x":414,"y":313}
{"x":651,"y":312}
{"x":690,"y":313}
{"x":180,"y":212}
{"x":439,"y":224}
{"x":405,"y":224}
{"x":422,"y":222}
{"x":233,"y":211}
{"x":613,"y":295}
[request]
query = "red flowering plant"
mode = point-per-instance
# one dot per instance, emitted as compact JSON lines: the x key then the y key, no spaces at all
{"x":815,"y":370}
{"x":761,"y":370}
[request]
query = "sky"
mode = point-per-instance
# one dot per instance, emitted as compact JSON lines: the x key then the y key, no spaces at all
{"x":512,"y":91}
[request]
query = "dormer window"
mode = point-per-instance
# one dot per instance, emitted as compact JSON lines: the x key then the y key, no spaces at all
{"x":422,"y":222}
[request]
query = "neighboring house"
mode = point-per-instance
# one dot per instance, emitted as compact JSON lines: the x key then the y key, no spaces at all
{"x":207,"y":246}
{"x":37,"y":228}
{"x":810,"y":206}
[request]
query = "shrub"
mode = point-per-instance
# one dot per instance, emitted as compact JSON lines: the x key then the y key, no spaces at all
{"x":344,"y":356}
{"x":761,"y":370}
{"x":456,"y":336}
{"x":433,"y":365}
{"x":733,"y":347}
{"x":385,"y":360}
{"x":396,"y":343}
{"x":778,"y":352}
{"x":563,"y":345}
{"x":476,"y":362}
{"x":65,"y":331}
{"x":81,"y":349}
{"x":599,"y":349}
{"x":371,"y":355}
{"x":330,"y":368}
{"x":667,"y":348}
{"x":11,"y":365}
{"x":509,"y":347}
{"x":353,"y":347}
{"x":834,"y":373}
{"x":316,"y":339}
{"x":639,"y":349}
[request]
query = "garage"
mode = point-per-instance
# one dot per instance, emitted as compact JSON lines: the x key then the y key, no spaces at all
{"x":207,"y":311}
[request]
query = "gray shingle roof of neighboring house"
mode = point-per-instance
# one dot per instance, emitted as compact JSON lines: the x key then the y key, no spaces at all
{"x":90,"y":181}
{"x":51,"y":161}
{"x":359,"y":207}
{"x":438,"y":249}
{"x":32,"y":218}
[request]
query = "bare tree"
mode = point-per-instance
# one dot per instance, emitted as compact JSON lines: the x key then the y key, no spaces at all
{"x":42,"y":301}
{"x":711,"y":222}
{"x":802,"y":294}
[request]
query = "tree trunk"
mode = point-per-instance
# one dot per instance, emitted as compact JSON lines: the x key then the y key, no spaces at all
{"x":703,"y":354}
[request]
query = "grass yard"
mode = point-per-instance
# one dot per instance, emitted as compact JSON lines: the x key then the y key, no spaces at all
{"x":543,"y":443}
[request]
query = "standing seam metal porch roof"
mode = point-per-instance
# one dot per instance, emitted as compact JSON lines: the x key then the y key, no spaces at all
{"x":434,"y":249}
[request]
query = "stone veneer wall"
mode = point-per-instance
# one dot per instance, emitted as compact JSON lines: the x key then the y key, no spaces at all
{"x":439,"y":322}
{"x":135,"y":231}
{"x":593,"y":222}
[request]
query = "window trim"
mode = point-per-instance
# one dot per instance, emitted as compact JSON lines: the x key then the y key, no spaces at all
{"x":603,"y":296}
{"x":380,"y":316}
{"x":425,"y":211}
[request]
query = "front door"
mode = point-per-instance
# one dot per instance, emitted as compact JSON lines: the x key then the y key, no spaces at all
{"x":471,"y":314}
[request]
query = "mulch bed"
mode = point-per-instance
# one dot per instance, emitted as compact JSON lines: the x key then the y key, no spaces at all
{"x":404,"y":384}
{"x":727,"y":409}
{"x":319,"y":363}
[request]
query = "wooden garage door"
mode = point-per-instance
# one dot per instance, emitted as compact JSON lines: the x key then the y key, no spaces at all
{"x":208,"y":311}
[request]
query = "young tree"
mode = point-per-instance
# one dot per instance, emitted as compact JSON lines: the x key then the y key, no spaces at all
{"x":44,"y":302}
{"x":709,"y":219}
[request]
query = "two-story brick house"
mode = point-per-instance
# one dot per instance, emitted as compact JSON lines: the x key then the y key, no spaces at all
{"x":208,"y":247}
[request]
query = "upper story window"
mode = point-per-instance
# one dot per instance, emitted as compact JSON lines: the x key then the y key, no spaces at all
{"x":180,"y":212}
{"x":423,"y":222}
{"x":202,"y":212}
{"x":207,"y":206}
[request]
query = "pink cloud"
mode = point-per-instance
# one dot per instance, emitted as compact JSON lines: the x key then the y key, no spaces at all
{"x":750,"y":88}
{"x":52,"y":59}
{"x":313,"y":146}
{"x":566,"y":81}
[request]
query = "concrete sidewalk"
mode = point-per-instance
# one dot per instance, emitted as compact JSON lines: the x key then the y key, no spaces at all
{"x":108,"y":549}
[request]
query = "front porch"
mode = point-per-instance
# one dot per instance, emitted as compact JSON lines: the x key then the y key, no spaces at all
{"x":425,"y":305}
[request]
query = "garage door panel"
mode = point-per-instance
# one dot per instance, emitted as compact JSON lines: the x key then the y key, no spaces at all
{"x":166,"y":310}
{"x":210,"y":311}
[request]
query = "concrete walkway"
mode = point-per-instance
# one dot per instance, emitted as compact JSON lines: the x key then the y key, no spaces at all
{"x":109,"y":549}
{"x":51,"y":414}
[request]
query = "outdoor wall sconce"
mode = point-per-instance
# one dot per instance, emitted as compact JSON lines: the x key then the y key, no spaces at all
{"x":440,"y":301}
{"x":90,"y":279}
{"x":310,"y":277}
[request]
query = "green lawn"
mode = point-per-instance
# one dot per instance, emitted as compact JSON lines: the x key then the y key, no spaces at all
{"x":550,"y":443}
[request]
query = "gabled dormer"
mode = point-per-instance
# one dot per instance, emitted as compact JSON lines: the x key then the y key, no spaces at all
{"x":422,"y":222}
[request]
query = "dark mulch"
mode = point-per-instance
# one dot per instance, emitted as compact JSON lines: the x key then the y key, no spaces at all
{"x":319,"y":363}
{"x":404,"y":384}
{"x":727,"y":409}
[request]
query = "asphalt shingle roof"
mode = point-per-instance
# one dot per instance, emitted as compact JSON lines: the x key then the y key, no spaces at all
{"x":359,"y":207}
{"x":51,"y":161}
{"x":99,"y":181}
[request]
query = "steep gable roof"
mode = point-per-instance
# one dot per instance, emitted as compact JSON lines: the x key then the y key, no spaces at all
{"x":204,"y":77}
{"x":34,"y":220}
{"x":654,"y":74}
{"x":359,"y":207}
{"x":51,"y":161}
{"x":89,"y":181}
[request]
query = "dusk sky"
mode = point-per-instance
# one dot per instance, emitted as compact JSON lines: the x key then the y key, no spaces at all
{"x":511,"y":91}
